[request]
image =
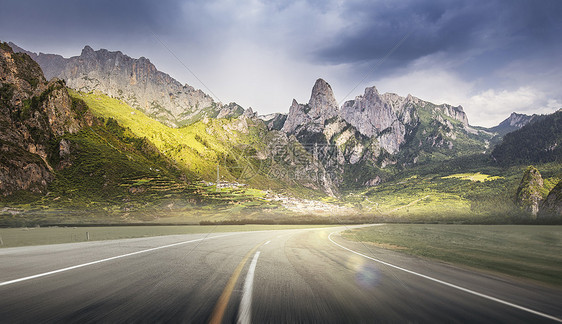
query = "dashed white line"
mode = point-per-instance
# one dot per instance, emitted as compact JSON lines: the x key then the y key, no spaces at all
{"x":5,"y":283}
{"x":266,"y":243}
{"x":245,"y":309}
{"x":532,"y":311}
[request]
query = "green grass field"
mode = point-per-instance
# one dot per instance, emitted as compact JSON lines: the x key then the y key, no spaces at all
{"x":12,"y":237}
{"x":531,"y":252}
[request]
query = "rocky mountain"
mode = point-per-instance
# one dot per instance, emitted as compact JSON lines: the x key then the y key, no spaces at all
{"x":137,"y":82}
{"x":312,"y":117}
{"x":365,"y":135}
{"x":392,"y":118}
{"x":34,"y":114}
{"x":514,"y":122}
{"x":360,"y":143}
{"x":538,"y":141}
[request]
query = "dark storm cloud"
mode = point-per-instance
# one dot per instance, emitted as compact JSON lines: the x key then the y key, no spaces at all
{"x":61,"y":21}
{"x":456,"y":28}
{"x":262,"y":53}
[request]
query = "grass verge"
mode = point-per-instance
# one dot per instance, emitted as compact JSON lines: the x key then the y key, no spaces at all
{"x":13,"y":237}
{"x":531,"y":252}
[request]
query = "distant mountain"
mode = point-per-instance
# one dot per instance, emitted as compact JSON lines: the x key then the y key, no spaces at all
{"x":514,"y":122}
{"x":360,"y":143}
{"x":87,"y":151}
{"x":358,"y":140}
{"x":137,"y":82}
{"x":537,"y":142}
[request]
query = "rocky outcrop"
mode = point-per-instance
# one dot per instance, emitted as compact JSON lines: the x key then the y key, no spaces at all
{"x":33,"y":116}
{"x":311,"y":117}
{"x":389,"y":117}
{"x":231,"y":110}
{"x":137,"y":82}
{"x":551,"y":208}
{"x":529,"y":193}
{"x":383,"y":117}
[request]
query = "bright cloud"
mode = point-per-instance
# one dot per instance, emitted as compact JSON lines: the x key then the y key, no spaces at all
{"x":491,"y":106}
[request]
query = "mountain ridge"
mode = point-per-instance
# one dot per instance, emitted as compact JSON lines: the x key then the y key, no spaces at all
{"x":374,"y":130}
{"x":90,"y":150}
{"x":135,"y":81}
{"x":512,"y":123}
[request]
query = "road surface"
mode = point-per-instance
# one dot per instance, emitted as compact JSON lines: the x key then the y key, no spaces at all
{"x":281,"y":276}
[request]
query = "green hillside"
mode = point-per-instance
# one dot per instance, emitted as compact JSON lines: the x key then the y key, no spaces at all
{"x":116,"y":177}
{"x":464,"y":190}
{"x":537,"y":142}
{"x":127,"y":167}
{"x":109,"y":174}
{"x":439,"y":137}
{"x":194,"y":148}
{"x":240,"y":147}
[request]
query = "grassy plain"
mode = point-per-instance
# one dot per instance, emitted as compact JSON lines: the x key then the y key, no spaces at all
{"x":526,"y":251}
{"x":12,"y":237}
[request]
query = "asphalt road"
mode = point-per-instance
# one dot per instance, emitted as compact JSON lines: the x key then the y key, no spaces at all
{"x":289,"y":276}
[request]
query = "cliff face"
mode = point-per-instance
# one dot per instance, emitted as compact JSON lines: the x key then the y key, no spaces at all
{"x":376,"y":130}
{"x":33,"y":115}
{"x":137,"y":82}
{"x":383,"y":117}
{"x":311,"y":117}
{"x":390,"y":118}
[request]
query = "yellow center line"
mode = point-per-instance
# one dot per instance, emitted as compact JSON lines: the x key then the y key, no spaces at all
{"x":220,"y":307}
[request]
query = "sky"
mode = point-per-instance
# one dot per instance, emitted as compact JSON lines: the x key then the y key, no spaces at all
{"x":493,"y":57}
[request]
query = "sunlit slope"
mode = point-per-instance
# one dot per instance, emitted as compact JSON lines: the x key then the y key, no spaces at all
{"x":197,"y":149}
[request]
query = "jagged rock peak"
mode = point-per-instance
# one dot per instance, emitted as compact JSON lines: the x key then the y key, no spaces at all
{"x":249,"y":113}
{"x":87,"y":50}
{"x":322,"y":101}
{"x":376,"y":115}
{"x":321,"y":107}
{"x":372,"y":89}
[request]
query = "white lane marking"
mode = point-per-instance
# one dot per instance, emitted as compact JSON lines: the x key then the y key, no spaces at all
{"x":266,"y":243}
{"x":245,"y":309}
{"x":5,"y":283}
{"x":532,"y":311}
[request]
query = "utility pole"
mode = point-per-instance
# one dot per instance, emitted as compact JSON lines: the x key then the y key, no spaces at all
{"x":218,"y":177}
